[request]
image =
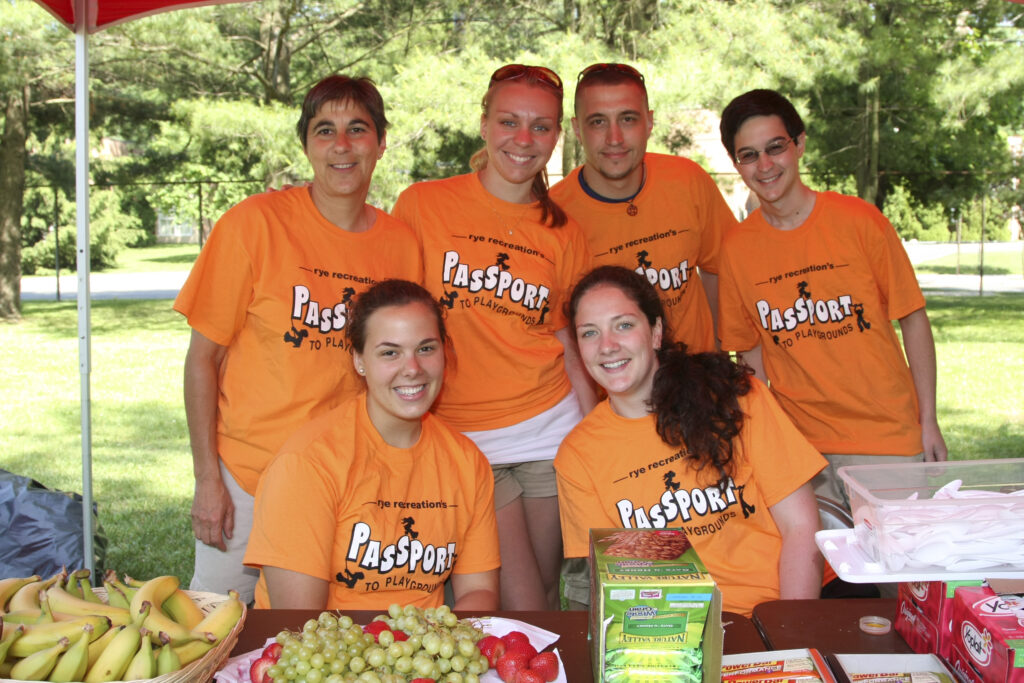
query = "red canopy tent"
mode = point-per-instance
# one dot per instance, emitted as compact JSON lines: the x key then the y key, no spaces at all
{"x":85,"y":17}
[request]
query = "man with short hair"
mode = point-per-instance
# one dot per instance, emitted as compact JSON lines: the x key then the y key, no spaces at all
{"x":810,"y":283}
{"x":661,"y":215}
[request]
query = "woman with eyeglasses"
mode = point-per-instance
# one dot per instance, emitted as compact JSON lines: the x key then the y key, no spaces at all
{"x":687,"y":441}
{"x":501,"y":256}
{"x":811,"y":283}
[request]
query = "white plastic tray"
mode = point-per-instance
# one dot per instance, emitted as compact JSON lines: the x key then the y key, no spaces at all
{"x":851,"y":563}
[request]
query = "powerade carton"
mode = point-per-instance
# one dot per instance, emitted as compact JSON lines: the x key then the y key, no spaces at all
{"x":924,"y":616}
{"x":656,"y":613}
{"x":988,"y":636}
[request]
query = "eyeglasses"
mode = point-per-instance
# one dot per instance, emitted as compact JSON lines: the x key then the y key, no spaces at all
{"x":511,"y":72}
{"x":772,"y":149}
{"x":625,"y":69}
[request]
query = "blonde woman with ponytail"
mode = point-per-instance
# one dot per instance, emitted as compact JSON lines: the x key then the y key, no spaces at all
{"x":501,"y":256}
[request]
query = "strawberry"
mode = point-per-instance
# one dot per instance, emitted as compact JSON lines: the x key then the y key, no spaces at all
{"x":529,"y":676}
{"x":514,"y":638}
{"x":491,"y":647}
{"x":525,"y":649}
{"x":510,"y":664}
{"x":545,"y":664}
{"x":422,"y":680}
{"x":273,"y":651}
{"x":375,"y":627}
{"x":401,"y":635}
{"x":258,"y":670}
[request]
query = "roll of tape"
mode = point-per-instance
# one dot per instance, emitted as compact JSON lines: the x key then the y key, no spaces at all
{"x":876,"y":626}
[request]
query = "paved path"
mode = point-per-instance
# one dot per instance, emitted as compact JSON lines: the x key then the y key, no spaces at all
{"x":165,"y":285}
{"x":160,"y":285}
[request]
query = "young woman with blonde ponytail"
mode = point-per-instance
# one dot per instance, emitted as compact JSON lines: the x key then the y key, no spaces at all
{"x":501,"y":256}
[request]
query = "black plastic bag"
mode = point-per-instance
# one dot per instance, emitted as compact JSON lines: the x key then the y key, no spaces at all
{"x":41,"y":530}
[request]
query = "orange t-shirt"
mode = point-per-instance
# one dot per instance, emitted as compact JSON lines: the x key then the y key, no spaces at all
{"x":678,"y":227}
{"x":819,"y":300}
{"x":616,"y":472}
{"x":503,"y":277}
{"x":273,"y":285}
{"x":380,"y":524}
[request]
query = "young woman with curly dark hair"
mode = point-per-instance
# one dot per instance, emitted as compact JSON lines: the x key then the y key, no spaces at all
{"x":688,"y":441}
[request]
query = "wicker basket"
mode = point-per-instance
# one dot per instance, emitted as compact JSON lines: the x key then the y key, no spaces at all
{"x":203,"y":668}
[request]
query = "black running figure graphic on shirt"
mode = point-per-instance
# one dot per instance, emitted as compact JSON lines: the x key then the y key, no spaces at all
{"x":775,"y":338}
{"x":349,"y":578}
{"x":295,"y":337}
{"x":407,"y":523}
{"x":448,"y":300}
{"x":641,"y":259}
{"x":670,"y":481}
{"x":543,"y":312}
{"x":502,"y":260}
{"x":862,"y":324}
{"x":347,"y":294}
{"x":801,"y":289}
{"x":747,"y":509}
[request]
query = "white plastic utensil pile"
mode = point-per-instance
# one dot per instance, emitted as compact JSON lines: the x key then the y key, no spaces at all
{"x":989,"y":533}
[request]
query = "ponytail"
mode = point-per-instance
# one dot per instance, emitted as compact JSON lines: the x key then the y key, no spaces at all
{"x":548,"y":206}
{"x":550,"y":212}
{"x":695,"y":400}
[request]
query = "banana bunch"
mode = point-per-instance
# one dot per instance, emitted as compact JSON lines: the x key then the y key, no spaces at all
{"x":59,"y":629}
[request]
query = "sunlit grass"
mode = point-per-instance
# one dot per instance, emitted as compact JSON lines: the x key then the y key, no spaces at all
{"x":157,"y":258}
{"x":996,"y":263}
{"x":142,"y":468}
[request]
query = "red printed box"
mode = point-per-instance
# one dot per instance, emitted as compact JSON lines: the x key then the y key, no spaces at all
{"x":920,"y":632}
{"x":988,"y":636}
{"x":934,"y":604}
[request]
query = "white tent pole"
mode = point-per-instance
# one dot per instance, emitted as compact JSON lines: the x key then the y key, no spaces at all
{"x":82,"y":202}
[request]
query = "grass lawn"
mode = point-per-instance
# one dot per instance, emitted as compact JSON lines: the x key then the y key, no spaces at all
{"x":159,"y":257}
{"x":142,"y":469}
{"x":996,"y":263}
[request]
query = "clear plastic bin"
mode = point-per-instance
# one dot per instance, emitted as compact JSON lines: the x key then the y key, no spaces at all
{"x":901,"y":525}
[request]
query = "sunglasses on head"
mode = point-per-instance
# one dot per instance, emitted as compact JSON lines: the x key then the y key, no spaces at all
{"x":542,"y":74}
{"x":625,"y":69}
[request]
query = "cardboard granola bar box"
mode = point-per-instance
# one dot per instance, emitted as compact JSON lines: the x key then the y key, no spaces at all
{"x":655,"y":611}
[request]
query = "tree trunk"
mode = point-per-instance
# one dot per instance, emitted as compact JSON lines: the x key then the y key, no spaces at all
{"x":12,"y":188}
{"x":867,"y":144}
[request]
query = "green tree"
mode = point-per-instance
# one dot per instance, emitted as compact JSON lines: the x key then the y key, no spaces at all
{"x":34,"y":72}
{"x":933,"y":86}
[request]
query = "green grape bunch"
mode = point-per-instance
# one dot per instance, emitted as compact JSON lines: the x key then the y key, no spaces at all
{"x":405,"y":644}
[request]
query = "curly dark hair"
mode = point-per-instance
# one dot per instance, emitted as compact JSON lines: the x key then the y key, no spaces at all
{"x":695,"y":397}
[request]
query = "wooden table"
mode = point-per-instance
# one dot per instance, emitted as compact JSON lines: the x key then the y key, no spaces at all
{"x":740,"y":633}
{"x":831,"y":626}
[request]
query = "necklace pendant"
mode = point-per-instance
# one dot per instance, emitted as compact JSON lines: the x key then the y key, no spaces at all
{"x":632,"y":210}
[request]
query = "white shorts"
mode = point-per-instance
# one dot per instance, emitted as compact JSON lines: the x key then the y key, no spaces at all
{"x":536,"y":438}
{"x":217,"y":571}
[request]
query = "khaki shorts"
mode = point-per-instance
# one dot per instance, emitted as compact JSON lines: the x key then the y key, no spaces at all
{"x":829,"y":484}
{"x":534,"y":479}
{"x":576,"y":582}
{"x":216,"y":571}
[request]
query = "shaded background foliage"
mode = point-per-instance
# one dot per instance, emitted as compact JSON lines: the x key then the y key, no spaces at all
{"x":908,"y":104}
